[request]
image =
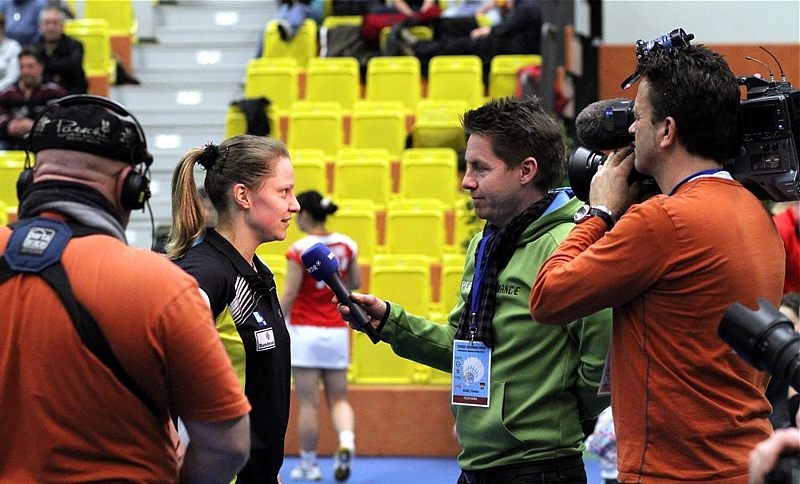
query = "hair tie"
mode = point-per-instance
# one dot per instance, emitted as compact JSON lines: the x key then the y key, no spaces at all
{"x":209,"y":156}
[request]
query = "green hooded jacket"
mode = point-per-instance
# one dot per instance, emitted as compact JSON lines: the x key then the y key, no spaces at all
{"x":544,"y":379}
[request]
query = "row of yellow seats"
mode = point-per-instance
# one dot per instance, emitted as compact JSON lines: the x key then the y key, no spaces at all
{"x":388,"y":79}
{"x":11,"y":164}
{"x":372,"y":124}
{"x":371,"y":174}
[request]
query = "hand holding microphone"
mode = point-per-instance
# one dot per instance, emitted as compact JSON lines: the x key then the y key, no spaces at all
{"x":322,"y":265}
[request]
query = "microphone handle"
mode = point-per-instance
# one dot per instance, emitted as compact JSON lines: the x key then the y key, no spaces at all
{"x":358,"y":316}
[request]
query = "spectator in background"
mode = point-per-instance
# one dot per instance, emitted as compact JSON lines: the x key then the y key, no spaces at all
{"x":292,"y":14}
{"x":519,"y":32}
{"x":603,"y":443}
{"x":320,"y":338}
{"x":22,"y":19}
{"x":21,"y":103}
{"x":9,"y":62}
{"x":788,"y":222}
{"x":63,"y":55}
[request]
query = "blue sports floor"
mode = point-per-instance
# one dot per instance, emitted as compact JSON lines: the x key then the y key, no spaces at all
{"x":407,"y":470}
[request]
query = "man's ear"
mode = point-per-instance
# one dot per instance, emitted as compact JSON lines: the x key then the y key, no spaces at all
{"x":668,"y":132}
{"x":241,"y":195}
{"x":119,"y":184}
{"x":528,"y":169}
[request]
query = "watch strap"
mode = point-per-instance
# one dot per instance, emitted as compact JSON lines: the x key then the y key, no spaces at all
{"x":604,"y":213}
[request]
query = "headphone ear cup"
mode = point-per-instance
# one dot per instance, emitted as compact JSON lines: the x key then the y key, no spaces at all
{"x":24,"y":181}
{"x":135,"y":191}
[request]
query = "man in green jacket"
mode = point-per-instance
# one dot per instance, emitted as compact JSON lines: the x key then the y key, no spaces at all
{"x":520,"y":389}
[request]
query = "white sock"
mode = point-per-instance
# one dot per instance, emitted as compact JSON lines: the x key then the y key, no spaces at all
{"x":308,"y":457}
{"x":347,"y":439}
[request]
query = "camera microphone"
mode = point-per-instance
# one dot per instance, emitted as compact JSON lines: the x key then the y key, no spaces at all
{"x":603,"y":125}
{"x":321,"y":264}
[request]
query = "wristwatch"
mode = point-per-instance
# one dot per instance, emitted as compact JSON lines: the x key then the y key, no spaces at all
{"x":601,"y":211}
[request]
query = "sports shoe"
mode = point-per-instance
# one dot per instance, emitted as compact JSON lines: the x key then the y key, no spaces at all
{"x":341,"y":470}
{"x":305,"y":472}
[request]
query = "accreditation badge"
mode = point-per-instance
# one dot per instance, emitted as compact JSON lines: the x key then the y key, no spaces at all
{"x":472,"y":365}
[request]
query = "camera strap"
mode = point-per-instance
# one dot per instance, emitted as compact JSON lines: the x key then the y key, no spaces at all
{"x":35,"y":247}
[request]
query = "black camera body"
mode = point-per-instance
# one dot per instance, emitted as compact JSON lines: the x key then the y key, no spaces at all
{"x":767,"y":162}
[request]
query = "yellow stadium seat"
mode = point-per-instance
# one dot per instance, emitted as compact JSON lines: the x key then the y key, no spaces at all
{"x":332,"y":21}
{"x":11,"y":164}
{"x":379,"y":125}
{"x":456,"y":77}
{"x":276,"y":263}
{"x":276,"y":79}
{"x":359,"y":225}
{"x":429,"y":173}
{"x":310,"y":172}
{"x":403,"y":281}
{"x":316,"y":126}
{"x":363,"y":174}
{"x":503,"y":73}
{"x":122,"y":25}
{"x":236,"y":122}
{"x":333,"y":79}
{"x":303,"y":47}
{"x":438,"y":125}
{"x":394,"y":79}
{"x":450,"y":289}
{"x":98,"y":64}
{"x":415,"y":227}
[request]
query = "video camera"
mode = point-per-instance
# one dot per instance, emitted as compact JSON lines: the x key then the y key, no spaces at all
{"x":767,"y":340}
{"x":766,"y":161}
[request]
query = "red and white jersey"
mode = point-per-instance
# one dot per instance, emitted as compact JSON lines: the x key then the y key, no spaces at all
{"x":313,"y":305}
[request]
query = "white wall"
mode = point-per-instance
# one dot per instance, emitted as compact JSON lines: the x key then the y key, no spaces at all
{"x":711,"y":21}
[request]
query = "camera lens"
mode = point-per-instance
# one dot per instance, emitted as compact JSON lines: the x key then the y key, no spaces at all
{"x":581,"y":167}
{"x":765,"y":338}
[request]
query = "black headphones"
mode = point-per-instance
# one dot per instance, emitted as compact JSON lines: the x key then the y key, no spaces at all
{"x":136,"y":188}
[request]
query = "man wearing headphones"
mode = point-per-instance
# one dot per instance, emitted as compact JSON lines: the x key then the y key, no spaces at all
{"x":99,"y":342}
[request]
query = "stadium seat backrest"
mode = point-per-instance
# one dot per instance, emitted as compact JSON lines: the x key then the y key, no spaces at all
{"x":333,"y":79}
{"x":118,"y":13}
{"x":277,"y":81}
{"x":379,"y":125}
{"x":415,"y":227}
{"x":503,"y":73}
{"x":316,"y":126}
{"x":11,"y":164}
{"x":429,"y":173}
{"x":303,"y":47}
{"x":364,"y":175}
{"x":456,"y":77}
{"x":332,"y":21}
{"x":95,"y":36}
{"x":394,"y":79}
{"x":236,"y":122}
{"x":452,"y":273}
{"x":310,"y":172}
{"x":438,"y":124}
{"x":359,"y":225}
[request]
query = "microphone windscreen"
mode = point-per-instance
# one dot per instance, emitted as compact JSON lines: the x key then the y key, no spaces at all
{"x":319,"y":261}
{"x":594,"y":130}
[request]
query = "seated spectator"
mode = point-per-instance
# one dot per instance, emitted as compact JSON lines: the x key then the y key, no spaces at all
{"x":9,"y":63}
{"x":21,"y":103}
{"x":787,"y":220}
{"x":22,"y":19}
{"x":408,"y":8}
{"x":519,"y":32}
{"x":292,"y":14}
{"x":63,"y":55}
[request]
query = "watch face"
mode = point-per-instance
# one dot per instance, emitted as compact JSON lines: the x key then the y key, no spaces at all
{"x":582,"y":213}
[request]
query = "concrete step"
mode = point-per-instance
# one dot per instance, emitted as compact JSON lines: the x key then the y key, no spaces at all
{"x":166,"y":75}
{"x":148,"y":97}
{"x":233,"y":14}
{"x":181,"y":57}
{"x":161,"y":116}
{"x":184,"y":35}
